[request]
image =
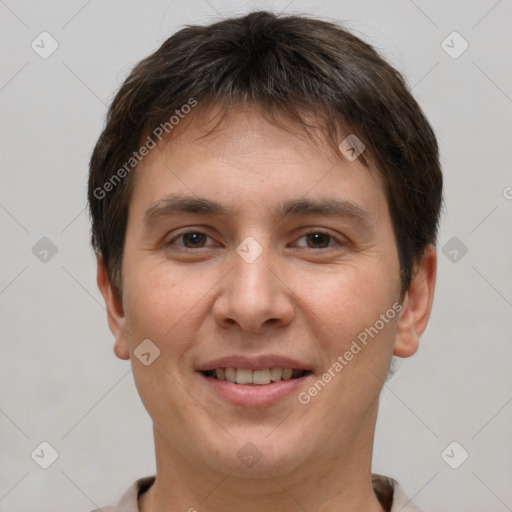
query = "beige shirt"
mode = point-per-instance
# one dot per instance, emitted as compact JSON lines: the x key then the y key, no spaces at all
{"x":387,"y":489}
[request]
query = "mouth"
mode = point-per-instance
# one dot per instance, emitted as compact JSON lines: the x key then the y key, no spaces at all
{"x":254,"y":377}
{"x":264,"y":384}
{"x":256,"y":381}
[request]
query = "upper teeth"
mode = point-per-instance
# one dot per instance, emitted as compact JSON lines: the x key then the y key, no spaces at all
{"x":247,"y":376}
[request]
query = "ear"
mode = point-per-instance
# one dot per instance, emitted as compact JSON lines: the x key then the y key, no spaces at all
{"x":115,"y":312}
{"x":417,"y":305}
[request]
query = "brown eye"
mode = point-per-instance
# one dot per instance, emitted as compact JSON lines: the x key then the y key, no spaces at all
{"x":189,"y":240}
{"x":318,"y":239}
{"x":194,"y":239}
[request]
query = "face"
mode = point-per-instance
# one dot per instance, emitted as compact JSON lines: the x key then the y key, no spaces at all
{"x":258,"y":256}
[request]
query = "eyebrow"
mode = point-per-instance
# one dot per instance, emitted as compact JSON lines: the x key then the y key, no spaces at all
{"x":177,"y":204}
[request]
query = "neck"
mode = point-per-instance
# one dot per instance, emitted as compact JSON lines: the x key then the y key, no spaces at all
{"x":341,"y":484}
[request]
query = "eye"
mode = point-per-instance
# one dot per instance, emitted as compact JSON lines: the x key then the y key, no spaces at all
{"x":318,"y":239}
{"x":314,"y":239}
{"x":190,"y":239}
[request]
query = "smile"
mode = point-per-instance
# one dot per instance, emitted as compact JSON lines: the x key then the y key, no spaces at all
{"x":260,"y":377}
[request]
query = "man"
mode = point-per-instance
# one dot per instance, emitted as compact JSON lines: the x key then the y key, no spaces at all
{"x":265,"y":199}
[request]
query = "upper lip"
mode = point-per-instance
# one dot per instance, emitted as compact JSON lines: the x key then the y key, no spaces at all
{"x":252,"y":363}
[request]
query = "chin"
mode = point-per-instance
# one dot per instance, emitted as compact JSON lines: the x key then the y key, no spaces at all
{"x":253,"y":453}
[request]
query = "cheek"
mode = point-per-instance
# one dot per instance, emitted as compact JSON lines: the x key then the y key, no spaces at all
{"x":160,"y":303}
{"x":348,"y":302}
{"x":160,"y":307}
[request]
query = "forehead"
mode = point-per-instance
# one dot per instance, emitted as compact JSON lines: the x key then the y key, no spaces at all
{"x":254,"y":132}
{"x":248,"y":161}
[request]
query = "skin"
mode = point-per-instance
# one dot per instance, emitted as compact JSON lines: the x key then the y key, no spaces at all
{"x":300,"y":298}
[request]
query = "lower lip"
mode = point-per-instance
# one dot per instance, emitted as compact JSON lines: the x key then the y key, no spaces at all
{"x":254,"y":395}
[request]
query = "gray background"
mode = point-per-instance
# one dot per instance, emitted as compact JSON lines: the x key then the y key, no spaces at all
{"x":59,"y":379}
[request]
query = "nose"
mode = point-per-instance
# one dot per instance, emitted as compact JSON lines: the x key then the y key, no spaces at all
{"x":254,"y":295}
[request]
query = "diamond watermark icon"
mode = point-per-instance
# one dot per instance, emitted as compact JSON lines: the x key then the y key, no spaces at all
{"x":454,"y":455}
{"x":249,"y":455}
{"x":454,"y":249}
{"x":147,"y":352}
{"x":44,"y":250}
{"x":454,"y":45}
{"x":249,"y":250}
{"x":44,"y":45}
{"x":351,"y":147}
{"x":44,"y":455}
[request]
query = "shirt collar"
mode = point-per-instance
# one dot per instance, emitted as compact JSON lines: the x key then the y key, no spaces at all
{"x":388,"y":491}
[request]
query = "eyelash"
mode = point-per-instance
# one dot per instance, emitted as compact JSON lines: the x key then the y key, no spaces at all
{"x":309,"y":232}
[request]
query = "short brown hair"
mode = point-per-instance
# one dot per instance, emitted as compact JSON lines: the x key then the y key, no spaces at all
{"x":288,"y":65}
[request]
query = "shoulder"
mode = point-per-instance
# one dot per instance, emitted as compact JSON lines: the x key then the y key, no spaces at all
{"x":129,"y":500}
{"x":391,"y":495}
